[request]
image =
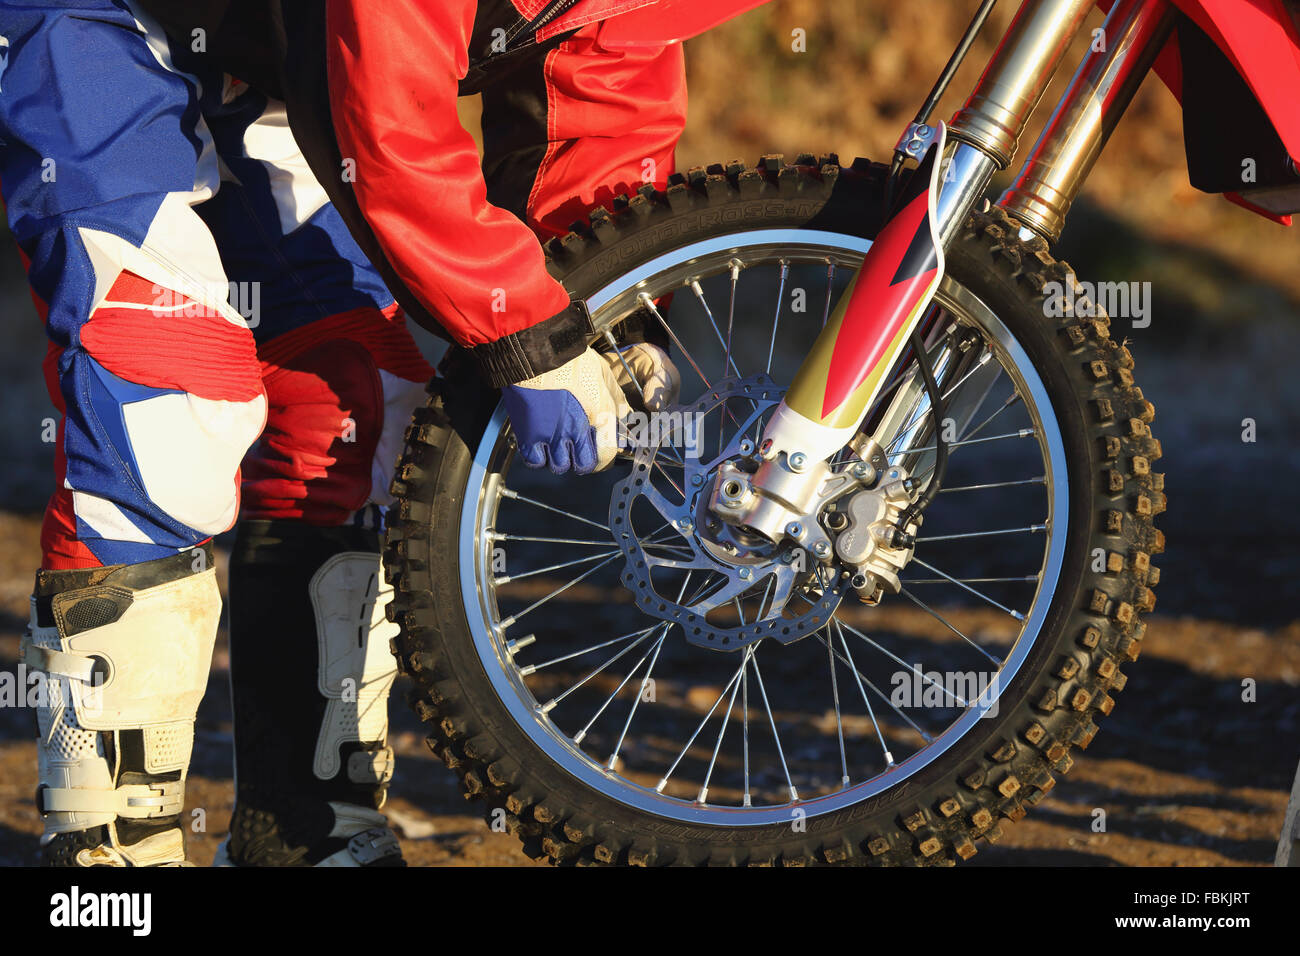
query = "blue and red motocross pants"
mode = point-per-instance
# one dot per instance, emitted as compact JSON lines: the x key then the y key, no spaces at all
{"x":220,"y":346}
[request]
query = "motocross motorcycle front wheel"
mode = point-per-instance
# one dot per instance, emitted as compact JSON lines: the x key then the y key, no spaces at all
{"x":624,"y":679}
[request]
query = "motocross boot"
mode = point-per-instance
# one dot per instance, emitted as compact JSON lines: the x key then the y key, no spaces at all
{"x":123,"y":653}
{"x":310,"y":674}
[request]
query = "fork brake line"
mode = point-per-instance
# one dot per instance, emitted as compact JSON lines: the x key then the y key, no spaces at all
{"x":937,"y":91}
{"x":901,"y":536}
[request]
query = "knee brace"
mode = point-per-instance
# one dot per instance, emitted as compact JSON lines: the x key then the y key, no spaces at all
{"x":311,"y":672}
{"x":125,"y":653}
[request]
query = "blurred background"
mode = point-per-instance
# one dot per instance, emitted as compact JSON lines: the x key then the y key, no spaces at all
{"x":1189,"y":772}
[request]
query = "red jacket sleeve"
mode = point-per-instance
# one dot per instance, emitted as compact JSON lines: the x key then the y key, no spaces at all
{"x":393,"y":73}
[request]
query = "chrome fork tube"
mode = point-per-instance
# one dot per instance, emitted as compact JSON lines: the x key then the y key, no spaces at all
{"x":1017,"y":76}
{"x":986,"y":131}
{"x":1082,"y":122}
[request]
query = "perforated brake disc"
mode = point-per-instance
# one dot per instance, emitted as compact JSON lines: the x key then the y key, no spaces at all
{"x":696,"y":571}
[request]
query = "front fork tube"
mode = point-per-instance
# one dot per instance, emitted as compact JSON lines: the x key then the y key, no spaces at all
{"x":868,"y":330}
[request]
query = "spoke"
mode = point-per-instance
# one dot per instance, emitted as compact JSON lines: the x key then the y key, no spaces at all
{"x":1028,"y":529}
{"x":736,"y":266}
{"x":510,"y":621}
{"x":498,"y":536}
{"x":734,"y":678}
{"x":581,"y":735}
{"x":725,"y":343}
{"x":516,"y":496}
{"x":944,"y":621}
{"x":871,"y":712}
{"x":744,"y":716}
{"x":613,"y":344}
{"x":507,"y":578}
{"x":649,"y":303}
{"x":762,"y":691}
{"x":1020,"y":580}
{"x":640,"y":694}
{"x":962,"y":584}
{"x":613,"y":757}
{"x":983,"y":360}
{"x":863,"y":679}
{"x":554,"y":701}
{"x":898,"y":660}
{"x":1000,"y":409}
{"x":830,"y":284}
{"x":839,"y":718}
{"x":739,"y":613}
{"x":702,"y":797}
{"x":1022,"y":433}
{"x":776,"y":319}
{"x":1038,"y":480}
{"x":533,"y":668}
{"x":669,"y":479}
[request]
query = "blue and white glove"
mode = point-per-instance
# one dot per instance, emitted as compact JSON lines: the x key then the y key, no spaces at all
{"x":568,"y":419}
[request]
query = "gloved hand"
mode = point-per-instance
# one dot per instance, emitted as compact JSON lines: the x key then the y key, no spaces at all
{"x":659,"y":378}
{"x":568,"y":418}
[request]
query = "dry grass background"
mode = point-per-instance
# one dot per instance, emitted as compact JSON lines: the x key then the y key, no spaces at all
{"x":869,"y":64}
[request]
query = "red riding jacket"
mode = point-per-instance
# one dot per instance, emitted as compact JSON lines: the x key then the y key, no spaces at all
{"x":588,"y":118}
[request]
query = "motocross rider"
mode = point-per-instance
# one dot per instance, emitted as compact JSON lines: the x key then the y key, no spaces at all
{"x":224,"y":254}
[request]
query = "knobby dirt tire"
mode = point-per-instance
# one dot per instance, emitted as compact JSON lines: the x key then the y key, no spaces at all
{"x":999,"y":769}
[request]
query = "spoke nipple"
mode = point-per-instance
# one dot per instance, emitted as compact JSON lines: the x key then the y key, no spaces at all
{"x":794,"y":794}
{"x":1017,"y":615}
{"x":577,"y":738}
{"x":525,"y":671}
{"x":889,"y":759}
{"x":844,"y":781}
{"x":520,"y":643}
{"x":747,"y":802}
{"x":659,"y":787}
{"x":703,"y":795}
{"x":549,"y":706}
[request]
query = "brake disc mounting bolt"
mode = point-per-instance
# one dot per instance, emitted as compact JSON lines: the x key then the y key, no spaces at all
{"x":686,"y":525}
{"x":746,"y":446}
{"x":744,"y":574}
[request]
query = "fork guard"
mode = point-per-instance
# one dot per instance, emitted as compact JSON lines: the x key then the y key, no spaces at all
{"x":865,"y":334}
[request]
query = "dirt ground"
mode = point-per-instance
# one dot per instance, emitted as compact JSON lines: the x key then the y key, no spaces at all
{"x":1187,"y":772}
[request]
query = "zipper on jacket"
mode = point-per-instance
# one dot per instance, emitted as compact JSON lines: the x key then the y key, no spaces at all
{"x":546,"y":16}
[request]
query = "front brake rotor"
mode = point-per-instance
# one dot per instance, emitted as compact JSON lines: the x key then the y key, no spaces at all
{"x":758,"y":571}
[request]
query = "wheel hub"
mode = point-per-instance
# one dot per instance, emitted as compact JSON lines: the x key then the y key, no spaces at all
{"x":713,"y":567}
